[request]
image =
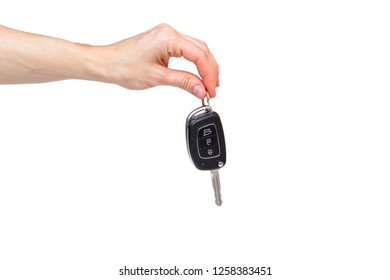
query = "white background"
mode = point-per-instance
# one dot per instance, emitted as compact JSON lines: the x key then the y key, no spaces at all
{"x":94,"y":177}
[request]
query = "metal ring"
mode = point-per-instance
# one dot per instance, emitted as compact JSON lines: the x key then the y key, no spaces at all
{"x":207,"y":98}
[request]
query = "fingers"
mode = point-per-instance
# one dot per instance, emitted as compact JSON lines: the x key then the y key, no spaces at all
{"x":184,"y":80}
{"x":151,"y":51}
{"x":204,"y":46}
{"x":204,"y":61}
{"x":197,"y":52}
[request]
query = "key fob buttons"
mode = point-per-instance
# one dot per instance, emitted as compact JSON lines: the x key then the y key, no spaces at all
{"x":208,"y":142}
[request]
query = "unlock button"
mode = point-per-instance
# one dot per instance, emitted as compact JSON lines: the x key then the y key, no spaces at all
{"x":210,"y":141}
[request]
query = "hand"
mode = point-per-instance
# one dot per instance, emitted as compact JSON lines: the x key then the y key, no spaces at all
{"x":139,"y":62}
{"x":142,"y":61}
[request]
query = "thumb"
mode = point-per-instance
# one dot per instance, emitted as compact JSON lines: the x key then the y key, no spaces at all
{"x":185,"y":80}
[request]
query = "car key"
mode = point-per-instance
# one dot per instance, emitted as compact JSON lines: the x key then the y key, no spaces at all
{"x":206,"y":143}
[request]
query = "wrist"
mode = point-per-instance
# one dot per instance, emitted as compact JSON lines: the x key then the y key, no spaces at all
{"x":95,"y":64}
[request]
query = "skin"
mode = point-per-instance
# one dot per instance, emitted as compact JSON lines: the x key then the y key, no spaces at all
{"x":136,"y":63}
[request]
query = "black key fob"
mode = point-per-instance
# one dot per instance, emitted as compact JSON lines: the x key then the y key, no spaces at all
{"x":205,"y":139}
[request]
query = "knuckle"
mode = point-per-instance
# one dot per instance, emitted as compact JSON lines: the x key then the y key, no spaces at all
{"x":165,"y":29}
{"x":185,"y":82}
{"x":203,"y":44}
{"x":163,"y":25}
{"x":204,"y":55}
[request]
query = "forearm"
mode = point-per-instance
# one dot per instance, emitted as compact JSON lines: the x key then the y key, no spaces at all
{"x":32,"y":58}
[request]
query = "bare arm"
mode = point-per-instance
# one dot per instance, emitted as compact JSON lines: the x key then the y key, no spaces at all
{"x":139,"y":62}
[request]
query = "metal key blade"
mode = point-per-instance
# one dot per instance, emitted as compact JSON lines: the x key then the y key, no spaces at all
{"x":216,"y":186}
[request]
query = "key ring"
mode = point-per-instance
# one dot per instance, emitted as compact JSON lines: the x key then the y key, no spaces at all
{"x":207,"y":98}
{"x":204,"y":108}
{"x":207,"y":106}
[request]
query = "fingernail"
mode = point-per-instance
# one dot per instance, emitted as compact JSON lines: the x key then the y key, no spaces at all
{"x":198,"y":91}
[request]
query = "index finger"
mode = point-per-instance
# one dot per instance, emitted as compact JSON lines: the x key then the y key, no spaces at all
{"x":202,"y":58}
